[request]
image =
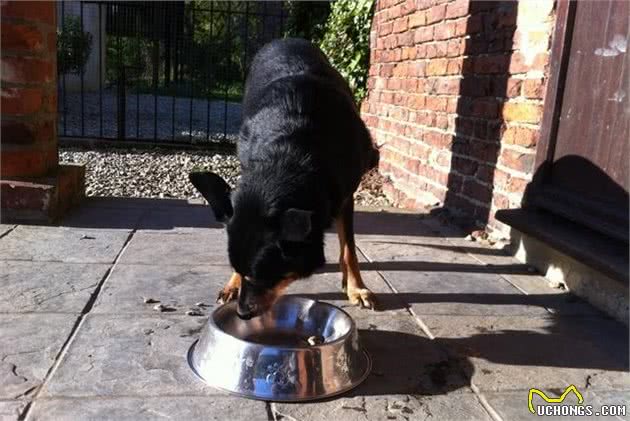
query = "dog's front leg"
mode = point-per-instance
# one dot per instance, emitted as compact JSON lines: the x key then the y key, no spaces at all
{"x":351,"y":282}
{"x":230,"y":290}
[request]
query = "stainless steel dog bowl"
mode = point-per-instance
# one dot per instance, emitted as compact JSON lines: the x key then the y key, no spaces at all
{"x":269,"y":357}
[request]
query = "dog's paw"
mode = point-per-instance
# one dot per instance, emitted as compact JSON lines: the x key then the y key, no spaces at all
{"x":226,"y":295}
{"x":362,"y":297}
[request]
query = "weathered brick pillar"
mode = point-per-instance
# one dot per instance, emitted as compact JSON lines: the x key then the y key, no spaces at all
{"x":34,"y":187}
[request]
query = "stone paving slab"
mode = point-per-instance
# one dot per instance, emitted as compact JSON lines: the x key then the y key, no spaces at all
{"x":436,"y":278}
{"x":522,"y":276}
{"x":47,"y":286}
{"x":30,"y":343}
{"x":396,"y":224}
{"x":327,"y":287}
{"x":213,"y":408}
{"x":517,"y":353}
{"x":404,"y":360}
{"x":619,"y":397}
{"x":187,"y":219}
{"x":129,"y":355}
{"x":4,"y":228}
{"x":461,"y":293}
{"x":103,"y":218}
{"x":513,"y":405}
{"x":62,"y":244}
{"x":11,"y":410}
{"x":391,"y":407}
{"x":195,"y":248}
{"x":178,"y":287}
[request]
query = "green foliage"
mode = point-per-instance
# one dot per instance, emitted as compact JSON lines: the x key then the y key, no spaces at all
{"x":73,"y":46}
{"x":347,"y":41}
{"x":307,"y":19}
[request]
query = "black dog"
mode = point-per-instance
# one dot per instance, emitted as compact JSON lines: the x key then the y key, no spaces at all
{"x":303,"y":150}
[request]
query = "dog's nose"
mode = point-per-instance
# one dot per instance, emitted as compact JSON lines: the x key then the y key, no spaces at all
{"x":246,"y":311}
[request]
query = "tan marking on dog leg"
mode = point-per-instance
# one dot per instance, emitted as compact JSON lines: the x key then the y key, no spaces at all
{"x":230,"y":290}
{"x":358,"y":293}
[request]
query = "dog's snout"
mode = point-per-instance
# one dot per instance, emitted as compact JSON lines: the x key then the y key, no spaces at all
{"x":247,"y":305}
{"x":246,"y":311}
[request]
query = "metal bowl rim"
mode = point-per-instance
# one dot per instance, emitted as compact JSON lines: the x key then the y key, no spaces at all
{"x":342,"y":338}
{"x":355,"y":384}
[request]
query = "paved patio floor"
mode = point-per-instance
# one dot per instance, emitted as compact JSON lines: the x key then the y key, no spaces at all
{"x":463,"y":332}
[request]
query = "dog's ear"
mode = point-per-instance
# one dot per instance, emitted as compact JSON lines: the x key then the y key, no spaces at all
{"x":216,"y":191}
{"x":296,"y":224}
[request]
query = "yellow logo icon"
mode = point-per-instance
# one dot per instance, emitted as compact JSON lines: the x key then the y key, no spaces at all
{"x":546,"y":398}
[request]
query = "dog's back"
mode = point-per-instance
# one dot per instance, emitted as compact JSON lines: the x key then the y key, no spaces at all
{"x":295,"y":100}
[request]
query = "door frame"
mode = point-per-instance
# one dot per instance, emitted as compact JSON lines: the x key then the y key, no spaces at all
{"x":558,"y":64}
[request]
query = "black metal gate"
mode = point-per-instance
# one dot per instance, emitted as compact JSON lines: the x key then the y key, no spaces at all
{"x":158,"y":71}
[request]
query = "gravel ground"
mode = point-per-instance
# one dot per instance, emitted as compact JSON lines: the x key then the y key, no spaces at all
{"x":160,"y":117}
{"x":164,"y":174}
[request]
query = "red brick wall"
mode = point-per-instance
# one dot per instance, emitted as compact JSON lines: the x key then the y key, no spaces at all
{"x":455,"y":98}
{"x":29,"y":92}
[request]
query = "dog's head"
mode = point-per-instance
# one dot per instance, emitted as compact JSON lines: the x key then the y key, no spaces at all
{"x":270,"y":244}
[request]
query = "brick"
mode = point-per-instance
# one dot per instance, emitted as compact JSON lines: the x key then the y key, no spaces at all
{"x":28,"y":161}
{"x":477,"y":191}
{"x":482,"y":151}
{"x":419,"y":18}
{"x":491,"y":64}
{"x":21,"y":37}
{"x":34,"y":11}
{"x":454,"y":66}
{"x":500,"y":201}
{"x":521,"y":64}
{"x":23,"y":133}
{"x":457,"y":9}
{"x":454,"y":48}
{"x":437,"y":67}
{"x":447,"y":86}
{"x":521,"y":136}
{"x":533,"y":88}
{"x":27,"y":70}
{"x":441,"y":48}
{"x":439,"y":140}
{"x":417,"y":69}
{"x":436,"y":13}
{"x":517,"y":185}
{"x":513,"y":88}
{"x":405,"y":39}
{"x":475,"y":86}
{"x":478,"y":107}
{"x":20,"y":101}
{"x":444,"y":30}
{"x":474,"y":24}
{"x":385,"y":28}
{"x":522,"y":112}
{"x":423,"y":34}
{"x":485,"y":173}
{"x":517,"y":160}
{"x":436,"y":103}
{"x":400,"y":25}
{"x":464,"y":166}
{"x":441,"y":121}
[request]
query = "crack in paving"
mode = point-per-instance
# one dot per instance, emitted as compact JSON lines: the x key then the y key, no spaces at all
{"x":75,"y":328}
{"x":482,"y":400}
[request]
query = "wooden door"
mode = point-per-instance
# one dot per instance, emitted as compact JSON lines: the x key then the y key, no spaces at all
{"x":583,"y":156}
